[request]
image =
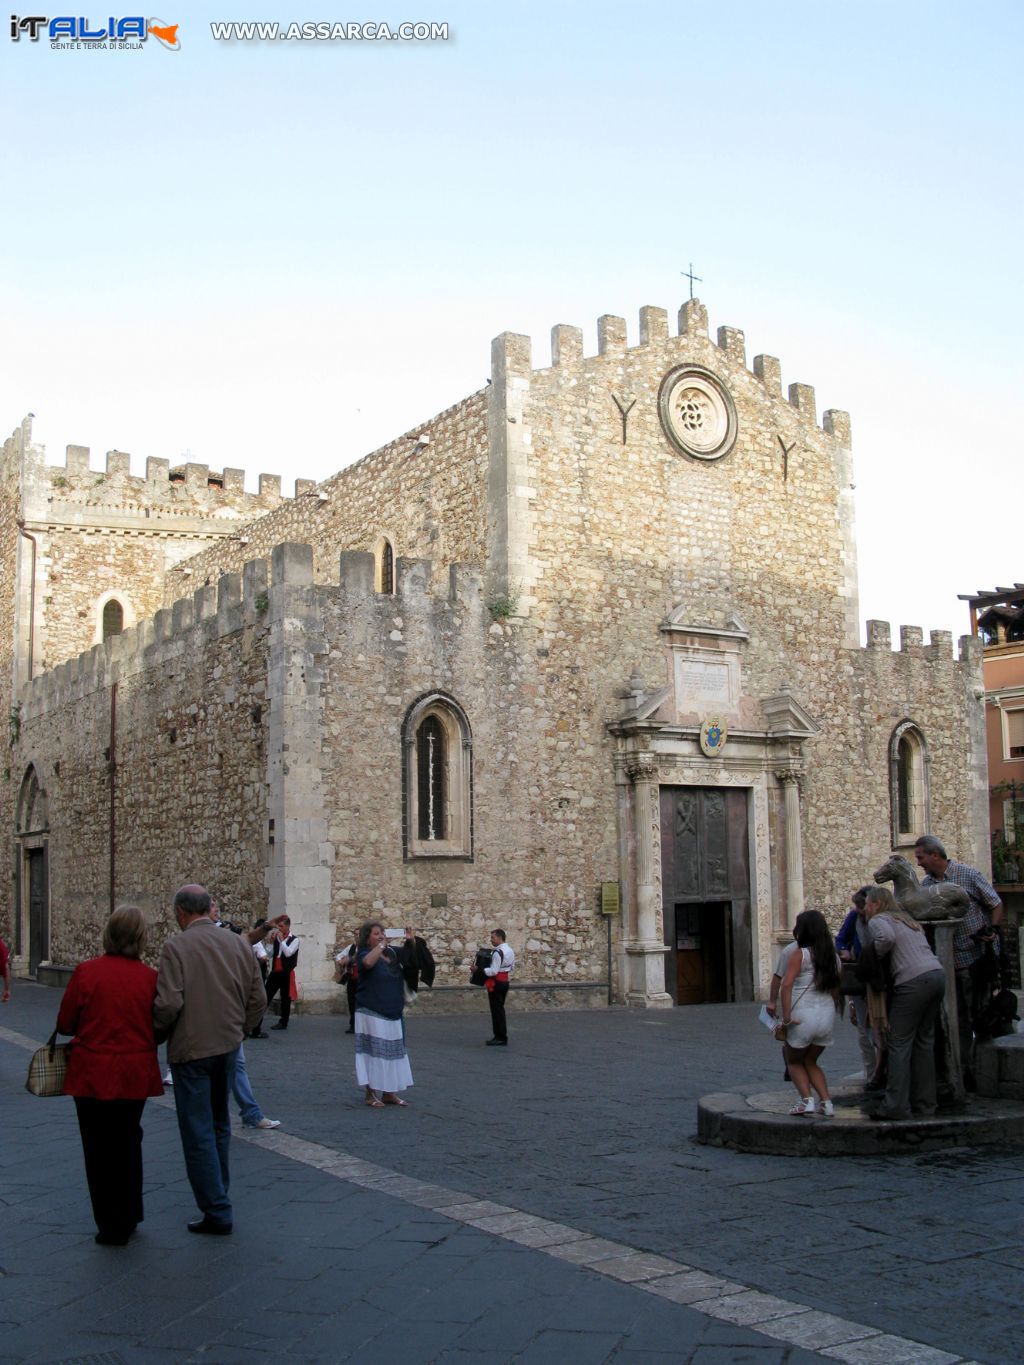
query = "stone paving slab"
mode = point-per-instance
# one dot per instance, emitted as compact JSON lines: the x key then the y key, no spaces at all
{"x":886,"y":1350}
{"x":815,"y":1330}
{"x":574,"y":1156}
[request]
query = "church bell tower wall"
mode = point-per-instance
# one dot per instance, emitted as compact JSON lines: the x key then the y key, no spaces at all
{"x":609,"y":509}
{"x":96,"y":535}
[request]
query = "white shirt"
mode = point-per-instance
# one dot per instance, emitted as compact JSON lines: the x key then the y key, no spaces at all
{"x":503,"y":959}
{"x":782,"y":961}
{"x":288,"y":947}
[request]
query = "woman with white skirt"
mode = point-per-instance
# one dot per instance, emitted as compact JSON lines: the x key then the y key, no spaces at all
{"x":382,"y":1066}
{"x":810,"y":996}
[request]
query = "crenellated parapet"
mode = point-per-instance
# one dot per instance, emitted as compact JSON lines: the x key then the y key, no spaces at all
{"x":254,"y":598}
{"x":729,"y":345}
{"x":166,"y":498}
{"x":912,"y":645}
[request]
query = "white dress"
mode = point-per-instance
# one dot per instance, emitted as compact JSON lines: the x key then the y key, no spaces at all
{"x":814,"y":1009}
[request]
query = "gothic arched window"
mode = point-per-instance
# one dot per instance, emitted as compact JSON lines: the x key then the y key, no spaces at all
{"x":432,"y":779}
{"x":114,"y":614}
{"x":113,"y":618}
{"x":33,"y":810}
{"x":384,"y":566}
{"x":908,"y":783}
{"x":438,"y":748}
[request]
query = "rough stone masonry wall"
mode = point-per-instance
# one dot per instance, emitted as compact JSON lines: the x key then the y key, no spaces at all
{"x":10,"y":467}
{"x":428,"y":500}
{"x":535,"y":870}
{"x":624,"y":533}
{"x":846,"y":798}
{"x":190,"y":750}
{"x":620,"y":534}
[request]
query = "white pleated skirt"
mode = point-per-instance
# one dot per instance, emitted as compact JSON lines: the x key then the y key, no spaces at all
{"x":381,"y":1060}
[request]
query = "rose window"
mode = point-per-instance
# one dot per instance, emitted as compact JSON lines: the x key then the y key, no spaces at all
{"x":697,"y":412}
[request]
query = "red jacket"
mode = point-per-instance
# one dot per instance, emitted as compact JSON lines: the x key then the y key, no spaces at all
{"x":108,"y":1006}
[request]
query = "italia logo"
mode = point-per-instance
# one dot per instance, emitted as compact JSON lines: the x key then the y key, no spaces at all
{"x":66,"y":29}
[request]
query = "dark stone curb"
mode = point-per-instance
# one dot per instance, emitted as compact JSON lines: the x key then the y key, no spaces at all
{"x":739,"y":1122}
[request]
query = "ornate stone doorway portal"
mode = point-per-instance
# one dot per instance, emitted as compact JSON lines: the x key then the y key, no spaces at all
{"x":705,"y":878}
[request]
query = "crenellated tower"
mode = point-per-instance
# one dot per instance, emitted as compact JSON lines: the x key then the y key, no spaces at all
{"x":94,"y":546}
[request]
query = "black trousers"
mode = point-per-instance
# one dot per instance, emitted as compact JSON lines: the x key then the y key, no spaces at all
{"x":281,"y":981}
{"x":350,"y":994}
{"x":496,"y":1000}
{"x":112,"y":1145}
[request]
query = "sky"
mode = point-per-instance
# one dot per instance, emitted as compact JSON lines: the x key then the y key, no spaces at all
{"x":279,"y":255}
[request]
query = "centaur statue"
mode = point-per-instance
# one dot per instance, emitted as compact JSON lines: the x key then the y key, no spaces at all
{"x":945,"y":901}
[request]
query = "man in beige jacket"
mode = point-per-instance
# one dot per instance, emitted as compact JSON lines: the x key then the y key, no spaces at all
{"x":209,"y":994}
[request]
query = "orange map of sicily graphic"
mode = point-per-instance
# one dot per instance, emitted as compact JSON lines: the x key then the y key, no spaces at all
{"x":167,"y":33}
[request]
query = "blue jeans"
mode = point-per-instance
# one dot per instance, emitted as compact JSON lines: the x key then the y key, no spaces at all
{"x":241,"y":1089}
{"x":201,"y":1098}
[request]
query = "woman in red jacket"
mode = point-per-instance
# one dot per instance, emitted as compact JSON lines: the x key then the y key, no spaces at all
{"x":108,"y":1006}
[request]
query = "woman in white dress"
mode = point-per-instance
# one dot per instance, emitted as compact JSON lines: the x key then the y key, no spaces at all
{"x":810,"y":997}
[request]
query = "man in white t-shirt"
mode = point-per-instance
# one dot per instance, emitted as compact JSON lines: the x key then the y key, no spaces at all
{"x":503,"y":962}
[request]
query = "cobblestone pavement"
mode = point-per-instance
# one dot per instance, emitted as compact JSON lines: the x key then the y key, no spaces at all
{"x":541,"y":1203}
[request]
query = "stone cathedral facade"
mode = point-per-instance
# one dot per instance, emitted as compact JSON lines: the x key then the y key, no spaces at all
{"x":578,"y":657}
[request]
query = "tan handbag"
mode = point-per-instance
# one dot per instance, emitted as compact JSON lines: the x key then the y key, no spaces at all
{"x":48,"y":1068}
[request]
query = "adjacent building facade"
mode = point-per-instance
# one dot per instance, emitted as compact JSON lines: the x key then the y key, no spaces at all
{"x":578,"y":657}
{"x":997,"y":619}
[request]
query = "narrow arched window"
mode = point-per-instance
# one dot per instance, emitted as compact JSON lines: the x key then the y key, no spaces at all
{"x":904,"y":782}
{"x":437,"y":779}
{"x":908,"y":784}
{"x":384,"y":566}
{"x":113,"y":618}
{"x":431,"y":766}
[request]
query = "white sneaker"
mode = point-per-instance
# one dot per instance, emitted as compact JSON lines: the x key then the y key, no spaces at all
{"x":827,"y":1109}
{"x":265,"y":1123}
{"x":168,"y":1079}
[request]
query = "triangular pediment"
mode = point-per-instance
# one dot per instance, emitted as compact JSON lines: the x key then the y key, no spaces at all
{"x":786,"y":718}
{"x":677,"y":623}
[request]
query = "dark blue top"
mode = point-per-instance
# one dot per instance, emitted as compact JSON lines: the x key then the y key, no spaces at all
{"x":380,"y":988}
{"x":848,"y":939}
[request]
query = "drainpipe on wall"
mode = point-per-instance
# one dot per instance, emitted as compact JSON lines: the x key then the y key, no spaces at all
{"x":112,"y":768}
{"x":32,"y":597}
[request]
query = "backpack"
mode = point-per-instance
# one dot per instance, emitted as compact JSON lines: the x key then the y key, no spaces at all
{"x":996,"y":1016}
{"x":477,"y":976}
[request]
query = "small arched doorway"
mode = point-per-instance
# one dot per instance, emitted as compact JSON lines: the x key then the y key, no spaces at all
{"x":32,"y":921}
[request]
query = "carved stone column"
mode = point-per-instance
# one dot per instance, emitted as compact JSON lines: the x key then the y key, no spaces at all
{"x":647,"y":951}
{"x":791,"y":779}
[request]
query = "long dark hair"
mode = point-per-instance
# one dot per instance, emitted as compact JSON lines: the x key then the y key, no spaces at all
{"x":811,"y":931}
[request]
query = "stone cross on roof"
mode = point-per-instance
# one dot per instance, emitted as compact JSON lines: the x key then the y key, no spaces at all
{"x":689,"y":275}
